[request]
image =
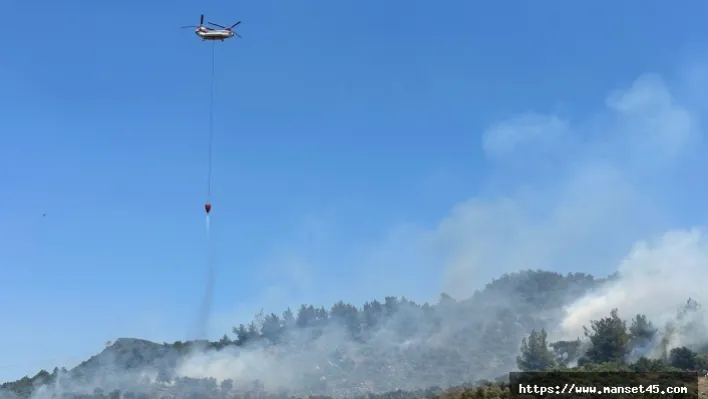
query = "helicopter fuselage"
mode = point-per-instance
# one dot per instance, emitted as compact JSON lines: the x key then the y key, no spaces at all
{"x":214,"y":34}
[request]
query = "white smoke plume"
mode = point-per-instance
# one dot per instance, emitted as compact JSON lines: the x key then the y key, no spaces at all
{"x":655,"y":279}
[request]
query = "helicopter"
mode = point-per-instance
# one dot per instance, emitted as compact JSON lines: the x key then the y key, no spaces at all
{"x":213,"y":34}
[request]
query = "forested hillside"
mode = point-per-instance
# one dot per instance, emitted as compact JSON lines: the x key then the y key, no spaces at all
{"x":391,"y":346}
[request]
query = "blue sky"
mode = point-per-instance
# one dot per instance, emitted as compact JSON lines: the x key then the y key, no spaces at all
{"x":346,"y":133}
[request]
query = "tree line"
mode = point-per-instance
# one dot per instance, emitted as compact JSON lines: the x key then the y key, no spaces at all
{"x":489,"y":328}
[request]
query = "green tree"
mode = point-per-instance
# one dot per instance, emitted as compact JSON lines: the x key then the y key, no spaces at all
{"x":346,"y":315}
{"x":288,"y":318}
{"x":241,"y":334}
{"x":644,"y":365}
{"x":306,"y":316}
{"x":641,"y":331}
{"x":535,"y":355}
{"x":226,"y":386}
{"x":609,"y":339}
{"x":682,"y":358}
{"x":373,"y":314}
{"x":272,"y":328}
{"x":566,"y":351}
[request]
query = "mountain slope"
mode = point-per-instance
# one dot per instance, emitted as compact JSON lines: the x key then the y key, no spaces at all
{"x":382,"y":346}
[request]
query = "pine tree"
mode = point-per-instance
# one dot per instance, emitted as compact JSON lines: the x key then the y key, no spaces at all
{"x":535,"y":355}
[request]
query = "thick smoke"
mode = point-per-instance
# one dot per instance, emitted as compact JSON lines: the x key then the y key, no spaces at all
{"x":616,"y":191}
{"x":655,"y":279}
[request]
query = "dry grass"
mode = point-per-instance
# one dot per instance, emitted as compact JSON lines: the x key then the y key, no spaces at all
{"x":703,"y":386}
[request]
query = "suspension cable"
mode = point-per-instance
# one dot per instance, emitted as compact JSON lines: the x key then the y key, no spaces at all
{"x":211,"y":121}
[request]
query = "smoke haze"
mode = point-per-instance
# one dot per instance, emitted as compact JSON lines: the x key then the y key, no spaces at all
{"x":600,"y":194}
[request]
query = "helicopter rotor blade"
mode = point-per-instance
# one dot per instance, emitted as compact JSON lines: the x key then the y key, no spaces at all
{"x":190,"y":26}
{"x":201,"y":20}
{"x":232,"y":26}
{"x":222,"y":27}
{"x":239,"y":36}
